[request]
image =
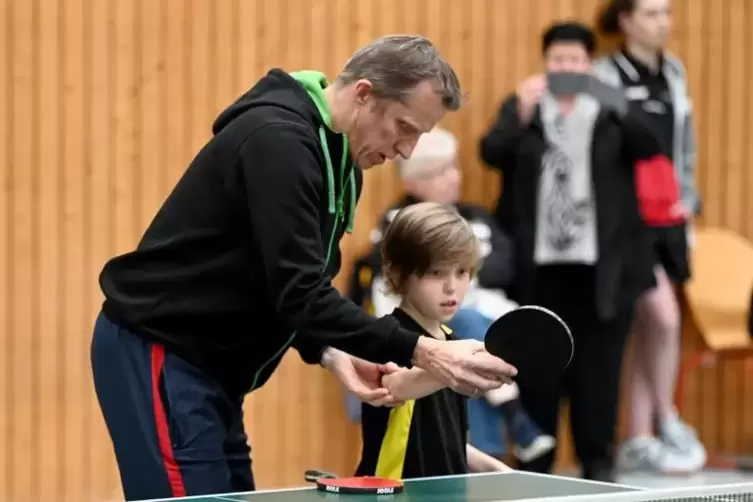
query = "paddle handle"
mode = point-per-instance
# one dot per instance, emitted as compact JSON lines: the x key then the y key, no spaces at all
{"x":314,"y":475}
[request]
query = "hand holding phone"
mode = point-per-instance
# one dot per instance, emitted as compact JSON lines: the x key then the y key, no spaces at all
{"x":529,"y":93}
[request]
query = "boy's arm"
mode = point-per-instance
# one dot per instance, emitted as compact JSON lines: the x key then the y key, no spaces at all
{"x":415,"y":383}
{"x":412,"y":383}
{"x":479,"y":461}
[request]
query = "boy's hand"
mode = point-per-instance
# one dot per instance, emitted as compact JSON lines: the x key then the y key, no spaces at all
{"x":362,"y":378}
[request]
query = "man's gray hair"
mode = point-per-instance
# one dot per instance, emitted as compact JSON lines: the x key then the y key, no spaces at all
{"x":396,"y":64}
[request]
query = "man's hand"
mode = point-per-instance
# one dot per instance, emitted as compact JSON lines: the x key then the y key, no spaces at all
{"x":362,"y":378}
{"x":462,"y":365}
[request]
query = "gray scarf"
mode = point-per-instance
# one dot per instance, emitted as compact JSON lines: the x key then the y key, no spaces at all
{"x":566,"y":223}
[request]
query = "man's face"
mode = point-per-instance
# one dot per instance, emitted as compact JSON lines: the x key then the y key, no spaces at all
{"x":384,"y":129}
{"x":567,"y":56}
{"x":439,"y":182}
{"x":650,"y":23}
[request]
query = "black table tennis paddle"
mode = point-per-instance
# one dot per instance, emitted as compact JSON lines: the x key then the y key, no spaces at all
{"x":330,"y":483}
{"x":535,"y":341}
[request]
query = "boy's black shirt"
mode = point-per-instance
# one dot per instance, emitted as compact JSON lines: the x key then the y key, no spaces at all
{"x":436,"y":443}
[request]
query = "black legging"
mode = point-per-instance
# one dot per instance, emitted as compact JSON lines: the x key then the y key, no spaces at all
{"x":592,"y":380}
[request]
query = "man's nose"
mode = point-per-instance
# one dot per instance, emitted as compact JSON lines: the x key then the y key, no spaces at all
{"x":405,"y":148}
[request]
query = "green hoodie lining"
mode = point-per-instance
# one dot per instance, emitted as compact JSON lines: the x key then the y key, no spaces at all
{"x":314,"y":83}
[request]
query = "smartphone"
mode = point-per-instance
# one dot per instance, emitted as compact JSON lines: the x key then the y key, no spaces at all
{"x":566,"y":83}
{"x":608,"y":96}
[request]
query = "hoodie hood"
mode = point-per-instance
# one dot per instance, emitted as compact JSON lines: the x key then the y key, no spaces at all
{"x":276,"y":88}
{"x":302,"y":92}
{"x":314,"y":83}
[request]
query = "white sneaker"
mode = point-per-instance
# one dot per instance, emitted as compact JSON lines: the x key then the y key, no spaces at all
{"x":682,"y":437}
{"x":539,"y":446}
{"x":649,"y":454}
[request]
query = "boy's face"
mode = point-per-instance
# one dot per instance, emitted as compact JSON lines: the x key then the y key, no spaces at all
{"x":439,"y":293}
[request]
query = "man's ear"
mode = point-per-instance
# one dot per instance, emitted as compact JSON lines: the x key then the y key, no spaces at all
{"x":363,"y":91}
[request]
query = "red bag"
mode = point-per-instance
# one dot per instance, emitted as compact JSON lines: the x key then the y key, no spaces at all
{"x":658,"y":191}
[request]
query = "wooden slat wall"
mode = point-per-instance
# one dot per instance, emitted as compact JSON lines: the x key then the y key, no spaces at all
{"x":105,"y":101}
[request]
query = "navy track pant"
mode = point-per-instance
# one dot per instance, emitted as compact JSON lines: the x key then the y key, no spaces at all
{"x":175,"y":431}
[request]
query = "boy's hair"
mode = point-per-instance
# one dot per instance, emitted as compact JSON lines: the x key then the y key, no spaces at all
{"x":423,"y":236}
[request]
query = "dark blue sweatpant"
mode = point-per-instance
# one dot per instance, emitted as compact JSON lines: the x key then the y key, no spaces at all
{"x":175,"y":431}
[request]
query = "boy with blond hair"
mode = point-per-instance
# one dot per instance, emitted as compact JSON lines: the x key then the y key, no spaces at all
{"x":430,"y":254}
{"x":432,"y":174}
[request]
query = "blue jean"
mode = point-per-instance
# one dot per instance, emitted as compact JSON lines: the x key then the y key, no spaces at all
{"x":484,"y":421}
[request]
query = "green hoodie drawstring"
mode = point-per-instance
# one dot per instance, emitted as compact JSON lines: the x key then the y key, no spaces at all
{"x":330,"y":171}
{"x":335,"y":206}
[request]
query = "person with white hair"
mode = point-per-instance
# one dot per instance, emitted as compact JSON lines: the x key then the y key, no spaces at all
{"x":431,"y":173}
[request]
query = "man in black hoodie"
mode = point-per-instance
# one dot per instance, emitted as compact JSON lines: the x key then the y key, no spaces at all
{"x":235,"y":268}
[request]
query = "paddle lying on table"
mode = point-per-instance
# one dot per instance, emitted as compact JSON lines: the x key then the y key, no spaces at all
{"x":328,"y":482}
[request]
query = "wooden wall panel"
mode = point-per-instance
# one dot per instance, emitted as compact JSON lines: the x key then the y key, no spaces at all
{"x":105,"y":101}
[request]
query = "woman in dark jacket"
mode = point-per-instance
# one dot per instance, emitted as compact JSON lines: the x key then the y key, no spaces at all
{"x":569,"y":201}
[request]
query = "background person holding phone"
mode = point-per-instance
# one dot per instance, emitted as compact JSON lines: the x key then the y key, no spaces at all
{"x":566,"y":149}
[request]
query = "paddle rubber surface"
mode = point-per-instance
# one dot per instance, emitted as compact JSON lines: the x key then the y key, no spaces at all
{"x":533,"y":339}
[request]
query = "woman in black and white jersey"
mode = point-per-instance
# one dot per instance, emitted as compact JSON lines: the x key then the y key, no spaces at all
{"x":656,"y":86}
